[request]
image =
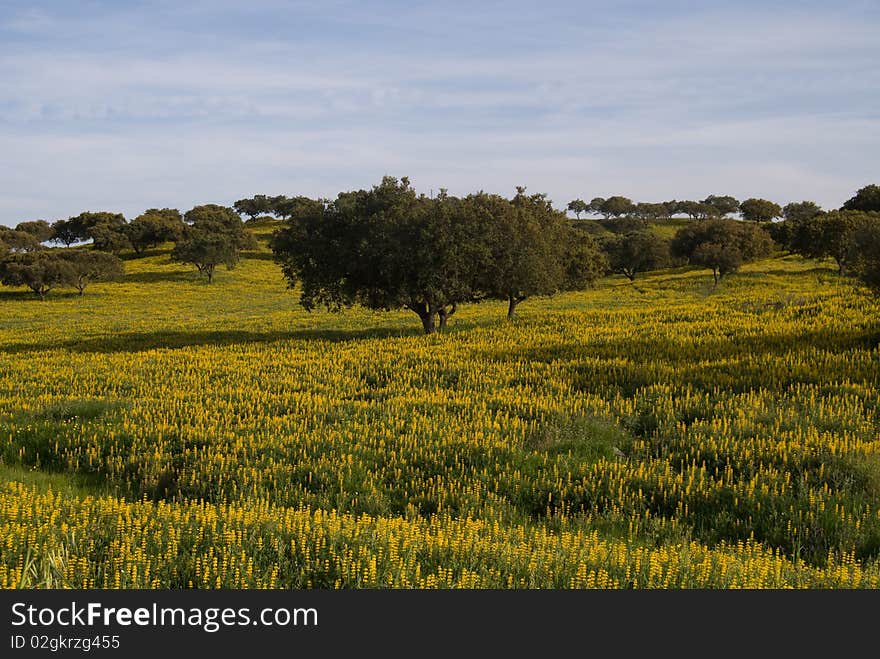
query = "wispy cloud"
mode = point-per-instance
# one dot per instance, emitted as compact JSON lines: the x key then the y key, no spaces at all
{"x":125,"y":106}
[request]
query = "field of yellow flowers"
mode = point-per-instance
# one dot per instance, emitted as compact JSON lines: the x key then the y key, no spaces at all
{"x":162,"y":432}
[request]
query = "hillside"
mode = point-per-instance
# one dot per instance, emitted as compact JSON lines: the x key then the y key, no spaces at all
{"x":164,"y":432}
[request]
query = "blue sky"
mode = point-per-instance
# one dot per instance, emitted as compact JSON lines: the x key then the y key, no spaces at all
{"x":124,"y":106}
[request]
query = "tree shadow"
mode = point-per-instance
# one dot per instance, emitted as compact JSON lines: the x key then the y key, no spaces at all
{"x":132,"y":342}
{"x":153,"y":276}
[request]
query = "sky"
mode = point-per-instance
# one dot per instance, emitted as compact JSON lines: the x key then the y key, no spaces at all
{"x":123,"y":106}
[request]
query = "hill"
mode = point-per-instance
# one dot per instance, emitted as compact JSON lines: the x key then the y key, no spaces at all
{"x":164,"y":432}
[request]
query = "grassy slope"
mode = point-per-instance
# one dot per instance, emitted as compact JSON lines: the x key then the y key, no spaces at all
{"x":516,"y":423}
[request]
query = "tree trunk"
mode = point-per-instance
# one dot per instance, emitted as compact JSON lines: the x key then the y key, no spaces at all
{"x":210,"y":272}
{"x":715,"y":277}
{"x":444,"y":315}
{"x":428,"y":322}
{"x":512,"y":301}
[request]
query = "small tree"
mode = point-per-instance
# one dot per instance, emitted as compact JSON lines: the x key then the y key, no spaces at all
{"x":721,"y":244}
{"x":635,"y":252}
{"x":39,"y":229}
{"x":91,"y":265}
{"x":697,"y":210}
{"x":16,"y":240}
{"x":651,"y":211}
{"x":827,"y":235}
{"x":723,"y":204}
{"x":153,"y":227}
{"x":527,"y":241}
{"x":595,"y":205}
{"x":800,"y":211}
{"x":617,"y":206}
{"x":41,"y":271}
{"x":578,"y":206}
{"x":864,"y":248}
{"x":103,"y":228}
{"x":759,"y":210}
{"x":215,"y":235}
{"x":254,"y":206}
{"x":866,"y":199}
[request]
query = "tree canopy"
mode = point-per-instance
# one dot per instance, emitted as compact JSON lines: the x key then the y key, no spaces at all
{"x":827,"y":235}
{"x":638,"y":251}
{"x":389,"y":247}
{"x":41,"y":271}
{"x":864,"y":251}
{"x":90,"y":265}
{"x":759,"y":210}
{"x":721,"y":244}
{"x":153,"y":227}
{"x":213,"y":235}
{"x":865,"y":199}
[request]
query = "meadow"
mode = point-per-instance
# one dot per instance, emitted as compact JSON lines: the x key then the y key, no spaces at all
{"x":162,"y":432}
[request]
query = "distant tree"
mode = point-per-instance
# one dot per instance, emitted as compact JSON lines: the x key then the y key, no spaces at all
{"x":800,"y":211}
{"x":595,"y":205}
{"x":39,"y":229}
{"x":651,"y":211}
{"x":41,"y":271}
{"x":780,"y":232}
{"x":153,"y":227}
{"x":68,"y":232}
{"x":864,"y":251}
{"x":616,"y":206}
{"x":636,"y":252}
{"x":257,"y":205}
{"x":672,"y":206}
{"x":827,"y":235}
{"x":721,"y":244}
{"x":723,"y":204}
{"x":16,"y":240}
{"x":214,"y":235}
{"x":866,"y":199}
{"x":103,"y":228}
{"x":578,"y":206}
{"x":697,"y":210}
{"x":89,"y":265}
{"x":759,"y":210}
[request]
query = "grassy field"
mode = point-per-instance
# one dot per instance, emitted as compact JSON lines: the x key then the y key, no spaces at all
{"x":163,"y":432}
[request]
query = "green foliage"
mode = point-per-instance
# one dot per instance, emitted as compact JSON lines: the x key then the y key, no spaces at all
{"x":41,"y":271}
{"x":578,"y":206}
{"x":254,"y":206}
{"x":91,"y":265}
{"x":723,"y":204}
{"x":864,"y":251}
{"x":153,"y":227}
{"x":616,"y":206}
{"x":827,"y":235}
{"x":721,"y":244}
{"x":214,"y":235}
{"x":759,"y":210}
{"x":384,"y":248}
{"x":802,"y":211}
{"x":635,"y":252}
{"x":649,"y":211}
{"x":16,"y":240}
{"x":389,"y":248}
{"x":39,"y":229}
{"x":104,"y":229}
{"x":697,"y":210}
{"x":866,"y":199}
